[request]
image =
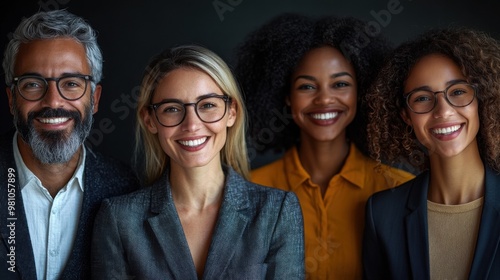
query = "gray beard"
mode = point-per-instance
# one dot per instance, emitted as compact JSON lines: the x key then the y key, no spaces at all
{"x":54,"y":147}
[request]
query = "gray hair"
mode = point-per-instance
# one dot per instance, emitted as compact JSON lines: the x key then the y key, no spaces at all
{"x":50,"y":25}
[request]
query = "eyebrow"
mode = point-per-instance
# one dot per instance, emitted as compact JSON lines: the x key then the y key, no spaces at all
{"x":336,"y":75}
{"x":197,"y":98}
{"x":449,"y":83}
{"x":65,"y":74}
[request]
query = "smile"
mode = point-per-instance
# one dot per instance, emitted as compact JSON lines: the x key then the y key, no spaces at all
{"x":446,"y":130}
{"x":325,"y":116}
{"x":53,"y":120}
{"x":193,"y":143}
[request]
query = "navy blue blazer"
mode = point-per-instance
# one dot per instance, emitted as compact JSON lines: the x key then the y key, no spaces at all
{"x":258,"y":235}
{"x":103,"y":177}
{"x":395,"y":243}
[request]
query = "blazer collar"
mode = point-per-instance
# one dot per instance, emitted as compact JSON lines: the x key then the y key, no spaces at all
{"x":229,"y":228}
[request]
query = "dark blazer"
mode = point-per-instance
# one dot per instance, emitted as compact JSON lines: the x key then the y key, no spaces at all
{"x":103,"y":177}
{"x":258,"y":235}
{"x":395,"y":244}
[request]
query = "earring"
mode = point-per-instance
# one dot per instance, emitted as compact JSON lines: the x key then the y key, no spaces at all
{"x":409,"y":131}
{"x":407,"y":140}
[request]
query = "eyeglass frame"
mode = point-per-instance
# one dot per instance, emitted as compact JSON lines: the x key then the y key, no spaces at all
{"x":226,"y":98}
{"x":87,"y":78}
{"x":445,"y":91}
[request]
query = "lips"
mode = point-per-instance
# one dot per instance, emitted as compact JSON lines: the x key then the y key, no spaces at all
{"x":194,"y":142}
{"x":446,"y":130}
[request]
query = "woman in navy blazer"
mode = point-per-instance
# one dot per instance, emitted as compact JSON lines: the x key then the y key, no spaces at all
{"x":436,"y":104}
{"x":200,"y":218}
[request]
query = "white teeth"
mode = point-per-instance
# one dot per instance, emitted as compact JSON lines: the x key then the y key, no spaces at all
{"x":324,"y":116}
{"x":54,"y":120}
{"x":194,"y":143}
{"x":446,"y":130}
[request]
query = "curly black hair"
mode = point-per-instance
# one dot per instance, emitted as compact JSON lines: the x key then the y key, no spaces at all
{"x":478,"y":56}
{"x":270,"y":54}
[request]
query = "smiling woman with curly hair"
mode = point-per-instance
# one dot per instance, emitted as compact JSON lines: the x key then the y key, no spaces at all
{"x":303,"y":81}
{"x":477,"y":54}
{"x":436,"y":103}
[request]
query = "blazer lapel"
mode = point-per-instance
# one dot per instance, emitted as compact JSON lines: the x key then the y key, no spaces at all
{"x":416,"y":228}
{"x":231,"y":224}
{"x":168,"y":231}
{"x":78,"y":261}
{"x":489,"y":229}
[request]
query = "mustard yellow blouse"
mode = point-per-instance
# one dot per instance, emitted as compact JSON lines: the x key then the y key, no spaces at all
{"x":333,"y":224}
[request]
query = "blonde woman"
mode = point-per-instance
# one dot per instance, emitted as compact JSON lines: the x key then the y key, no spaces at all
{"x":200,"y":218}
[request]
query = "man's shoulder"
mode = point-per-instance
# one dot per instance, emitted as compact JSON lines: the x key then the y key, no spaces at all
{"x":101,"y":162}
{"x":108,"y":170}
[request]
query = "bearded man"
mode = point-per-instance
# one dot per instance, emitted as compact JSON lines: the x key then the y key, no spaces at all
{"x":51,"y":183}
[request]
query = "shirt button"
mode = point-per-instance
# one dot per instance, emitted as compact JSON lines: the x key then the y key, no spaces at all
{"x":53,"y":253}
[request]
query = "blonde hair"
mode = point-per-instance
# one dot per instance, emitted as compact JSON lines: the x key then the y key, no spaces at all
{"x":155,"y":160}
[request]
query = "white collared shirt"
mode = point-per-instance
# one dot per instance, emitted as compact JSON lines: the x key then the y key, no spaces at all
{"x":52,"y":222}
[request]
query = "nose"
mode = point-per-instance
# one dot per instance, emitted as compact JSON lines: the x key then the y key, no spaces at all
{"x":324,"y":96}
{"x":191,"y":121}
{"x":443,"y":108}
{"x":52,"y":97}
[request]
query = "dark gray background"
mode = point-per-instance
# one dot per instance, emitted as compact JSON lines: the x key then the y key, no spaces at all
{"x":131,"y":32}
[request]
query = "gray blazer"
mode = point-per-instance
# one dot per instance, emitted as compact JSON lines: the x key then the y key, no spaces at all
{"x":103,"y":177}
{"x":258,"y":235}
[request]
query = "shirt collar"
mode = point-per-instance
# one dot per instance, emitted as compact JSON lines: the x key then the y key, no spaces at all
{"x":354,"y":169}
{"x":25,"y":175}
{"x":296,"y":173}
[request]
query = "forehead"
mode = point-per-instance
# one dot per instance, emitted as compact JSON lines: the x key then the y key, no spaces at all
{"x":185,"y":84}
{"x":51,"y":57}
{"x":434,"y":67}
{"x":322,"y":58}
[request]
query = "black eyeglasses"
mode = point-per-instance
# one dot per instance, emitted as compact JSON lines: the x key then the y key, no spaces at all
{"x":423,"y":101}
{"x":34,"y":88}
{"x":209,"y":109}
